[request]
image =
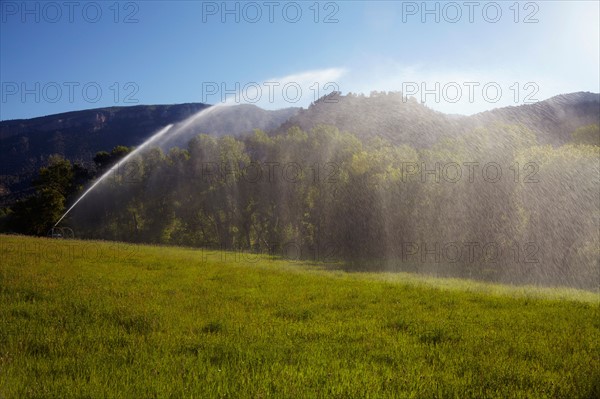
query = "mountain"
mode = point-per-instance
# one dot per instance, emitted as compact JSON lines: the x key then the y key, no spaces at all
{"x":391,"y":115}
{"x":552,"y":120}
{"x":25,"y":144}
{"x":403,"y":120}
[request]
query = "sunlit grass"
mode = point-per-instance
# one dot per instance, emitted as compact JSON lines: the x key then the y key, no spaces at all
{"x":99,"y":319}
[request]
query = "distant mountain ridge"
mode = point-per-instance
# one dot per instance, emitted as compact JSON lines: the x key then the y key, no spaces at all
{"x":25,"y":144}
{"x":553,"y":120}
{"x":404,"y":120}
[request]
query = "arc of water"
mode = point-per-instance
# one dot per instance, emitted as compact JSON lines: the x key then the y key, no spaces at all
{"x":116,"y":166}
{"x":155,"y":138}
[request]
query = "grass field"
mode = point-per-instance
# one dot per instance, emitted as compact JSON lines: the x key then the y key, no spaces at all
{"x":99,"y":319}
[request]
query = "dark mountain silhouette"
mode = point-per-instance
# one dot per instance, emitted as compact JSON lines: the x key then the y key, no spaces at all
{"x":25,"y":144}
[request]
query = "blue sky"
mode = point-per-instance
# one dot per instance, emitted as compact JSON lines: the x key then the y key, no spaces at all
{"x":54,"y":58}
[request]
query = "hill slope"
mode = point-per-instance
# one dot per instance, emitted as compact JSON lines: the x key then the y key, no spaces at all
{"x":552,"y":120}
{"x":405,"y":121}
{"x":100,"y":319}
{"x":26,"y":144}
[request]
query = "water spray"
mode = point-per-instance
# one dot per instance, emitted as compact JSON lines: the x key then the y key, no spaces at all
{"x":153,"y":139}
{"x":182,"y":126}
{"x":116,"y":166}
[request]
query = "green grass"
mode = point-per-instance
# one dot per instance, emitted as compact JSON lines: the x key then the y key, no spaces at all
{"x":99,"y":319}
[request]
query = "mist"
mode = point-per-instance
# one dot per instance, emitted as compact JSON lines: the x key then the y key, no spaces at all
{"x":481,"y":197}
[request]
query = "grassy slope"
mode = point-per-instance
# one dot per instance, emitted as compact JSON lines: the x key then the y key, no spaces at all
{"x":92,"y":319}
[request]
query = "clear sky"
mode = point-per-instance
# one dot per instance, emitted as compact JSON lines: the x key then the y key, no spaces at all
{"x":458,"y":57}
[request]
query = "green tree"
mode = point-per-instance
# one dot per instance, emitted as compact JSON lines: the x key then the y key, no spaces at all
{"x":104,"y":160}
{"x":589,"y":135}
{"x":38,"y":213}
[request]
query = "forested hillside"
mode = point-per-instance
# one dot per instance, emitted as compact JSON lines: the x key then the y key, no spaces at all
{"x":474,"y":206}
